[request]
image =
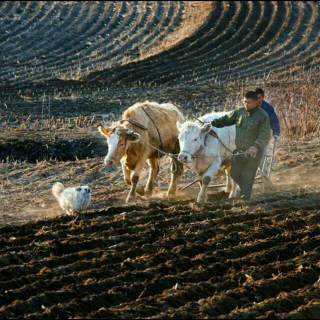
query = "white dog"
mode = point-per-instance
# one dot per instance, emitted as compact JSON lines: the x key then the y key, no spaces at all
{"x":72,"y":199}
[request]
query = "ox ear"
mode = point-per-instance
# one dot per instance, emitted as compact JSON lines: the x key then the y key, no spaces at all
{"x":105,"y":131}
{"x":179,"y":125}
{"x":205,"y":128}
{"x":132,"y":136}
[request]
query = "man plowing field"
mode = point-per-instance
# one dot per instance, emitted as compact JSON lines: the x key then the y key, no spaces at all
{"x":252,"y":137}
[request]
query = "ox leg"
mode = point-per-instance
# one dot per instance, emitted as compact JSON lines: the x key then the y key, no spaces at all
{"x":177,"y":171}
{"x":235,"y":191}
{"x":126,"y":173}
{"x":135,"y":175}
{"x":127,"y":178}
{"x":153,"y":172}
{"x":232,"y":188}
{"x":229,"y":181}
{"x":212,"y":170}
{"x":202,"y":196}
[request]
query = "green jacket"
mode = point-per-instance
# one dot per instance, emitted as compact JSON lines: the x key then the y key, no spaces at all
{"x":252,"y":127}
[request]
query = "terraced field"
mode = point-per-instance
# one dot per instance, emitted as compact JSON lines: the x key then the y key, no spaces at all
{"x":43,"y":40}
{"x":66,"y":66}
{"x":241,"y":40}
{"x":238,"y":40}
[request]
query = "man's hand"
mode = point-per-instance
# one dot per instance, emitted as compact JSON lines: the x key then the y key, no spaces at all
{"x":252,"y":151}
{"x":276,"y":138}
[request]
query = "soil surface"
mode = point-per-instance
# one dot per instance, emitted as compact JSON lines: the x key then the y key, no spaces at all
{"x":157,"y":258}
{"x":154,"y":258}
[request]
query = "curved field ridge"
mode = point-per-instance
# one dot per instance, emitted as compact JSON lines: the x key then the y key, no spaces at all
{"x":241,"y":40}
{"x":42,"y":40}
{"x":155,"y":258}
{"x":166,"y":260}
{"x":112,"y":41}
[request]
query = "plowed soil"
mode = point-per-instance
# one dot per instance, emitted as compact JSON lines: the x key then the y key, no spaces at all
{"x":69,"y":65}
{"x":158,"y":258}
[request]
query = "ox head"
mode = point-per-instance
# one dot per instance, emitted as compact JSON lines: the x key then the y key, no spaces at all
{"x":190,"y":137}
{"x":119,"y":140}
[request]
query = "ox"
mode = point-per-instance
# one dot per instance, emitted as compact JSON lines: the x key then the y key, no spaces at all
{"x":206,"y":153}
{"x":144,"y":128}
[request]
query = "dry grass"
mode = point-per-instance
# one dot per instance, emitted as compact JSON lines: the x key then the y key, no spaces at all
{"x":53,"y":124}
{"x":294,"y":96}
{"x":296,"y":99}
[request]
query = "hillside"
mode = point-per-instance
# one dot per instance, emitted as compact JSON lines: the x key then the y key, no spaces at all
{"x":67,"y":66}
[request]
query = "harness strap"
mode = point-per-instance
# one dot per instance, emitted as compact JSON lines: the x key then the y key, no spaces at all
{"x":160,"y":141}
{"x":141,"y":126}
{"x":214,"y":134}
{"x":134,"y":122}
{"x":193,"y":155}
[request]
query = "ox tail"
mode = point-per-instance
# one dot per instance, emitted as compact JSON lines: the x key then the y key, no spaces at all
{"x":57,"y":188}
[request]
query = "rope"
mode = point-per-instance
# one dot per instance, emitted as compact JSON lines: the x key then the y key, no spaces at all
{"x":202,"y":156}
{"x":175,"y":155}
{"x":172,"y":156}
{"x":165,"y":153}
{"x":237,"y":154}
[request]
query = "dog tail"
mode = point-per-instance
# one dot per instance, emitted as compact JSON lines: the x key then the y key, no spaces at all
{"x":57,"y":188}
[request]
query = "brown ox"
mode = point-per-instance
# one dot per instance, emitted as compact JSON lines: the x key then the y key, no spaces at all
{"x":134,"y":143}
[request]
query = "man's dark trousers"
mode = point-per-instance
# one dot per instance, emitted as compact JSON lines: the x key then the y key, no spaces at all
{"x":243,"y":171}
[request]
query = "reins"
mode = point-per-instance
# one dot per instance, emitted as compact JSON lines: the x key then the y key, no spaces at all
{"x":141,"y":126}
{"x":212,"y":132}
{"x":172,"y":156}
{"x":201,"y":148}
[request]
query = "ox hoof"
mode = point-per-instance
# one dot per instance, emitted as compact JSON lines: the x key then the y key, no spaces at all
{"x":147,"y":194}
{"x":130,"y":200}
{"x":140,"y":190}
{"x":201,"y":200}
{"x":170,"y":196}
{"x":171,"y":193}
{"x":236,"y":193}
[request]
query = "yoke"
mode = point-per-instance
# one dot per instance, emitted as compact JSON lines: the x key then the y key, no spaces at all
{"x":134,"y":122}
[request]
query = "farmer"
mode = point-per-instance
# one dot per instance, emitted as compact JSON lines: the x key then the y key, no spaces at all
{"x":252,"y":136}
{"x":274,"y":122}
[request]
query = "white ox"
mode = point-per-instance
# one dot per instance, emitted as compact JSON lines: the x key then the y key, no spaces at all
{"x":133,"y":145}
{"x":206,"y":153}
